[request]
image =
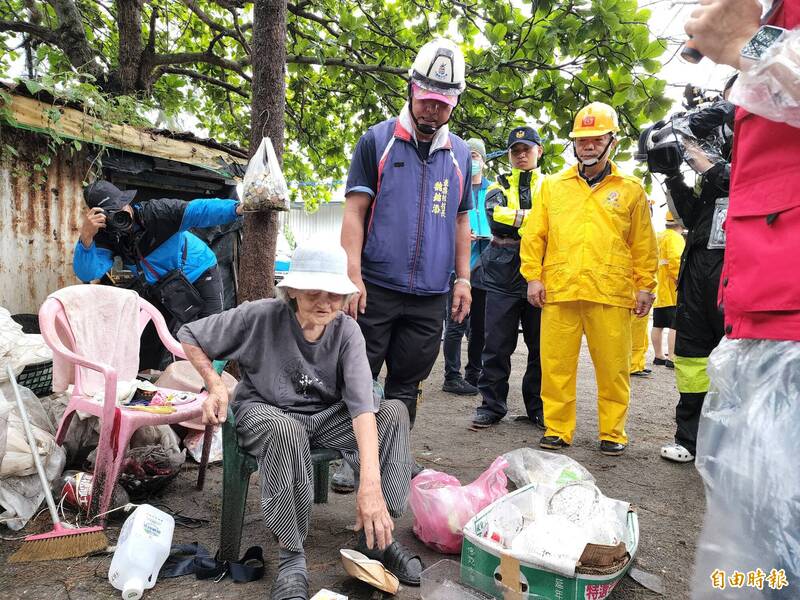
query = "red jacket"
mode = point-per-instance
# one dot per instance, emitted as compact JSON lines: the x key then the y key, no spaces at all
{"x":760,"y":284}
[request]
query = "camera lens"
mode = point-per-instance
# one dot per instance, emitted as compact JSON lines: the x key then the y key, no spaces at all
{"x":120,"y":219}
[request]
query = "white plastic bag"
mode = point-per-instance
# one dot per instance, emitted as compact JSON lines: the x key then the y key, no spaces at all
{"x":526,"y":465}
{"x":264,"y":185}
{"x":20,"y":489}
{"x":747,"y":449}
{"x":193,"y":442}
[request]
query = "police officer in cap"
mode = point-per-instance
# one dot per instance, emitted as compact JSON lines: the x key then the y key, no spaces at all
{"x":508,"y":202}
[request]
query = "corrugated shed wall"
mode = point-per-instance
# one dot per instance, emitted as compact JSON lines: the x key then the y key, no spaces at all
{"x":40,"y":217}
{"x":323,"y":225}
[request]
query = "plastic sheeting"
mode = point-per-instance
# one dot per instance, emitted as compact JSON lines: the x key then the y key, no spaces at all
{"x":526,"y":465}
{"x":770,"y":88}
{"x":747,"y":453}
{"x":19,"y":349}
{"x":21,"y":491}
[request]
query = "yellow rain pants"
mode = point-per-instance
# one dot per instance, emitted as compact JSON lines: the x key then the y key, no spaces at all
{"x":640,"y":340}
{"x":608,"y":334}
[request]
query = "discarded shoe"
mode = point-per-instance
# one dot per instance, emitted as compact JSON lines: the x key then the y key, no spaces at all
{"x":484,"y":420}
{"x":552,"y":442}
{"x":460,"y":387}
{"x":610,"y":448}
{"x":344,"y":479}
{"x":406,"y":565}
{"x":676,"y":453}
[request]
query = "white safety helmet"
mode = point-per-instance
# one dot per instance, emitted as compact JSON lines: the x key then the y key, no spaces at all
{"x":439,"y":67}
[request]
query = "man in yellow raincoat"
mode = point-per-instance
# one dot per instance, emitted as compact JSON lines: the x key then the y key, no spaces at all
{"x":589,"y":256}
{"x":670,"y":249}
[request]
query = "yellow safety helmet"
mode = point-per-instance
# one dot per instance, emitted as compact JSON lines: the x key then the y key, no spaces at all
{"x":595,"y":119}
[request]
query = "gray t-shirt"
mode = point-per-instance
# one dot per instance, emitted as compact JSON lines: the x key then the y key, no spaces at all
{"x":279,"y":366}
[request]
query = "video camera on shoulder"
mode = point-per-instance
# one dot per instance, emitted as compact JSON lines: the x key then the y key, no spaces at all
{"x":707,"y":125}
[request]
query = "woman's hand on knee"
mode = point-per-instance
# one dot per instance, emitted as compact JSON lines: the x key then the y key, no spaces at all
{"x":215,"y":406}
{"x":373,"y":516}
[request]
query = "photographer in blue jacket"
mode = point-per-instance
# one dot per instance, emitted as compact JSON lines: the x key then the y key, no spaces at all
{"x":172,"y":266}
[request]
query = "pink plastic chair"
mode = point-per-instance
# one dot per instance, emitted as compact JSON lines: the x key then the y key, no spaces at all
{"x":117,"y":424}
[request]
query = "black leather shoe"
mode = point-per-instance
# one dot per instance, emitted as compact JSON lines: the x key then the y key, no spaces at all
{"x":459,"y":386}
{"x":552,"y":442}
{"x":659,"y":361}
{"x":669,"y":364}
{"x":401,"y":561}
{"x":484,"y":420}
{"x":642,"y":373}
{"x":611,"y":448}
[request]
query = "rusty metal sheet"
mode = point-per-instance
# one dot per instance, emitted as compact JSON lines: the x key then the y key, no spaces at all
{"x":40,"y":216}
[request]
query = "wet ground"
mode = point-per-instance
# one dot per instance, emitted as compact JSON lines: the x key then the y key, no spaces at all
{"x":668,"y":498}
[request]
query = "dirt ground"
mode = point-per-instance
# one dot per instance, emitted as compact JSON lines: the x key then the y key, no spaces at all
{"x":668,"y":497}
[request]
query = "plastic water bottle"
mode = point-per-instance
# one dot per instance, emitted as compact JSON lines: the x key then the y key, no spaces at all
{"x":143,"y":546}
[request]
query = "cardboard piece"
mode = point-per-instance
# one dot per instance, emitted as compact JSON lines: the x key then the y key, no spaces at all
{"x":369,"y":571}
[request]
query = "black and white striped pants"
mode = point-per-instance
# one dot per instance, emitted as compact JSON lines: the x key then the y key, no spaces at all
{"x":282,"y":443}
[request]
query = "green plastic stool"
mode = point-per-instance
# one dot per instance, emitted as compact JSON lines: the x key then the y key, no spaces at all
{"x":237,"y":466}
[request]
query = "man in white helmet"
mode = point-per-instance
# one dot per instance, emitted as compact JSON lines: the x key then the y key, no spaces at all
{"x":406,"y":225}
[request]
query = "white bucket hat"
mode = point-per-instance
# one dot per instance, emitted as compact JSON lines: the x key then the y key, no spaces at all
{"x":316,"y":267}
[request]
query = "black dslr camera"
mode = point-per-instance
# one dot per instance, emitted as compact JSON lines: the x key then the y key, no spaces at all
{"x":118,"y":221}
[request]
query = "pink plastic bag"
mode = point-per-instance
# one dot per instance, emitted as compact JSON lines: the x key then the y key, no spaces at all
{"x":442,"y":506}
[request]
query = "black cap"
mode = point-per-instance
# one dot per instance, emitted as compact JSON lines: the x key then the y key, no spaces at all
{"x":526,"y":135}
{"x":104,"y":194}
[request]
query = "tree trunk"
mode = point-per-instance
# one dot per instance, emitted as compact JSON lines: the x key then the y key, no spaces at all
{"x":129,"y":19}
{"x":268,"y":54}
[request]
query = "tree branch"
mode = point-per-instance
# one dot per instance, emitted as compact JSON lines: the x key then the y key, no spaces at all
{"x":72,"y":38}
{"x":340,"y":62}
{"x":196,"y":75}
{"x":41,"y":33}
{"x":183,"y":58}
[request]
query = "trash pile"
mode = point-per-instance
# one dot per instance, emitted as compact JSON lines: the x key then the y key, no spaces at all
{"x":551,"y":526}
{"x":556,"y":536}
{"x":19,"y":349}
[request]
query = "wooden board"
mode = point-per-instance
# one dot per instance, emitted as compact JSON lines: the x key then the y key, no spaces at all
{"x":28,"y":113}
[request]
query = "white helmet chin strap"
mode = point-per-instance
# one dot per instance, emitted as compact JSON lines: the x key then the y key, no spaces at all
{"x":593,"y":161}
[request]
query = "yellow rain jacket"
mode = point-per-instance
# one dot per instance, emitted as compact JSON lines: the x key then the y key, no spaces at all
{"x":670,"y":248}
{"x":593,"y":244}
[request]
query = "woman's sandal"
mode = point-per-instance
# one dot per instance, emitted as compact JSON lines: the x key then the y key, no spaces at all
{"x":290,"y":587}
{"x":397,"y":558}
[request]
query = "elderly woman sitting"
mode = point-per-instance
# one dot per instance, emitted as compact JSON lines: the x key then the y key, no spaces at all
{"x":306,"y":383}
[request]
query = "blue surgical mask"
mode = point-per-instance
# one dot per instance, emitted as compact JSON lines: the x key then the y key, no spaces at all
{"x":476,"y":167}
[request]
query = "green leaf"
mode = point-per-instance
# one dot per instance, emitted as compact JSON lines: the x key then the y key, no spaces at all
{"x":34,"y":87}
{"x":499,"y":31}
